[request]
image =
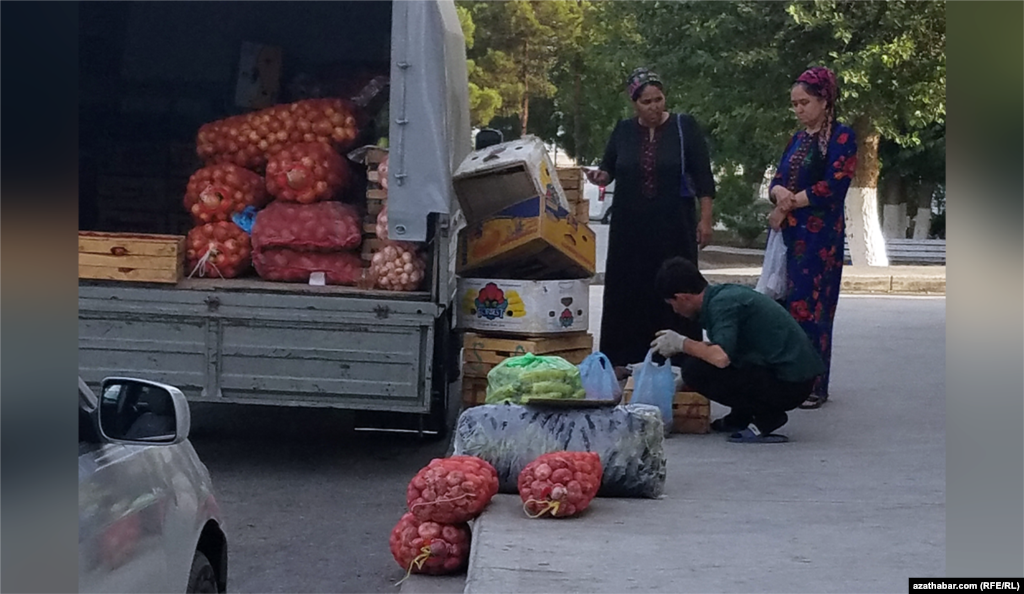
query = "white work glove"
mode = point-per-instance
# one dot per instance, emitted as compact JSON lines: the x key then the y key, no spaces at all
{"x":668,"y":343}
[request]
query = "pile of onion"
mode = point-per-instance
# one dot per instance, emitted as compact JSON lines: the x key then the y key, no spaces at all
{"x":452,"y":490}
{"x":306,"y":173}
{"x":430,"y":547}
{"x":317,"y":227}
{"x":398,"y":266}
{"x":382,"y":172}
{"x":561,"y":484}
{"x":382,"y":224}
{"x":219,"y":249}
{"x":249,"y":140}
{"x":216,"y":192}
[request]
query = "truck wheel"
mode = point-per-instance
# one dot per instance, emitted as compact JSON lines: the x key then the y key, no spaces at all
{"x":201,"y":578}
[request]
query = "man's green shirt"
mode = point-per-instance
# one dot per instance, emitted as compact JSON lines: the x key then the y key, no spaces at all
{"x":754,"y":330}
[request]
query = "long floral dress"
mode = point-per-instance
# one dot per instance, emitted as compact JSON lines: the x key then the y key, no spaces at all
{"x":815,"y":234}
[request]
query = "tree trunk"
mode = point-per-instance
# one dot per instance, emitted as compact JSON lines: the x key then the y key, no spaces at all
{"x":923,"y":219}
{"x":863,"y":231}
{"x":577,"y":119}
{"x":892,"y":189}
{"x":524,"y":106}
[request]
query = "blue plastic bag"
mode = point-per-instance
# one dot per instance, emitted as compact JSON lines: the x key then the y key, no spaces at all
{"x":655,"y":385}
{"x":598,"y":377}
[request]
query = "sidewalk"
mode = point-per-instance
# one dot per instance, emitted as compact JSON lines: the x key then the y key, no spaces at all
{"x":854,"y":503}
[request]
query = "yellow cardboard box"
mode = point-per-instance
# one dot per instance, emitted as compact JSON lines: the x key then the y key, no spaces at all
{"x":536,"y":239}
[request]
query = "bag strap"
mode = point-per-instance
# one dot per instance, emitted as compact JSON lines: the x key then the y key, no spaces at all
{"x":684,"y":189}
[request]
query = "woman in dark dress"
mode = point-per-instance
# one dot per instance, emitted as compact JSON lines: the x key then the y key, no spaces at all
{"x":654,"y":217}
{"x":809,"y":192}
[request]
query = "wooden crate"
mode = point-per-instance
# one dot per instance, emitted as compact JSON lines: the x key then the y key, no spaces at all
{"x":571,"y":179}
{"x":482,"y":353}
{"x":691,"y":412}
{"x":370,"y":247}
{"x":474,"y":391}
{"x":583,"y":210}
{"x":131,"y":257}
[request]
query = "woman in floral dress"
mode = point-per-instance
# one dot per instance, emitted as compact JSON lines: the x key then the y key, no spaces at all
{"x":809,"y":193}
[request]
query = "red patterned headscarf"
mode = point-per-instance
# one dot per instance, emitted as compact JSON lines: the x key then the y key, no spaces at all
{"x":821,"y":82}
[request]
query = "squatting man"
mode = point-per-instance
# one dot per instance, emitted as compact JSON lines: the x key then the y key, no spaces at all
{"x":757,"y":360}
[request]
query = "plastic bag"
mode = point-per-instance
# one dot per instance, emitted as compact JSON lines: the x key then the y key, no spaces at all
{"x":518,"y":379}
{"x":630,"y":441}
{"x":773,"y":281}
{"x":655,"y":385}
{"x":598,"y":378}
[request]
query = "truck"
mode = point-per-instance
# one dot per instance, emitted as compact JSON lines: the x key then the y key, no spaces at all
{"x":151,"y":74}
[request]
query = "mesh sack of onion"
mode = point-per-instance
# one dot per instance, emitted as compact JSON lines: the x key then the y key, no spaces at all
{"x":221,"y":249}
{"x":216,"y":192}
{"x":288,"y":265}
{"x":452,"y":490}
{"x":306,"y":173}
{"x":560,"y":484}
{"x":248,"y":140}
{"x":398,"y":266}
{"x":321,"y":226}
{"x":429,"y":547}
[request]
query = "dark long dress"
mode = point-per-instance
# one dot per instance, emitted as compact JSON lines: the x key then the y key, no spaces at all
{"x":815,"y":234}
{"x":650,"y":223}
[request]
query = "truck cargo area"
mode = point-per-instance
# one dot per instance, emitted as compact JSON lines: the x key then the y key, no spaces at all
{"x":152,"y":73}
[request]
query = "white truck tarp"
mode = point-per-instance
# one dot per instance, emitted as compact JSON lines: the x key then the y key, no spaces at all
{"x":429,"y":129}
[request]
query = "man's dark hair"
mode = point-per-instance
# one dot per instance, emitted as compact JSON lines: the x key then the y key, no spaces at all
{"x":678,"y":275}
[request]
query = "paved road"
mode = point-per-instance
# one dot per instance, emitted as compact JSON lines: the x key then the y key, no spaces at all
{"x":310,"y":503}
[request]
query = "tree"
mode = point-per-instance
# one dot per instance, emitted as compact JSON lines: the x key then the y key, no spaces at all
{"x":734,"y":63}
{"x":515,"y":46}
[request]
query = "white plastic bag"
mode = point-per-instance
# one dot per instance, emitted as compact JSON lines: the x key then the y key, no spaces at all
{"x":598,"y":377}
{"x":773,"y":281}
{"x":655,"y":385}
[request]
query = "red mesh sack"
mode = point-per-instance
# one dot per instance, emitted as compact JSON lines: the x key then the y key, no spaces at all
{"x":216,"y":192}
{"x":452,"y":490}
{"x":248,"y":140}
{"x":288,"y":265}
{"x":306,"y":173}
{"x":429,"y":547}
{"x":220,"y":249}
{"x":322,"y":226}
{"x":561,"y":484}
{"x":398,"y":266}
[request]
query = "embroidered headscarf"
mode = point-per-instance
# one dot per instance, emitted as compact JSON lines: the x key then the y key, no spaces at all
{"x":640,"y":78}
{"x":821,"y":82}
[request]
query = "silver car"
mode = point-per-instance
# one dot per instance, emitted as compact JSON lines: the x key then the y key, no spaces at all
{"x":600,"y":198}
{"x":148,"y":520}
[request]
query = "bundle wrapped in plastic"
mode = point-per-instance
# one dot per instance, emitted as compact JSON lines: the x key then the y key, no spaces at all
{"x":518,"y":379}
{"x":629,"y":440}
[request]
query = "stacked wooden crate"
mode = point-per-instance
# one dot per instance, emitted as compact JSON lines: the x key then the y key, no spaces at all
{"x":131,"y":257}
{"x":691,"y":412}
{"x":483,"y":352}
{"x":571,"y":179}
{"x":376,"y":200}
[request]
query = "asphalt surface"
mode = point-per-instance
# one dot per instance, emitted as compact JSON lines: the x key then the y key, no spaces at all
{"x":309,"y":502}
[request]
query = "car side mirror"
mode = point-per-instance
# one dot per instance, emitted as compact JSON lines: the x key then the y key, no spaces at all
{"x":142,"y":412}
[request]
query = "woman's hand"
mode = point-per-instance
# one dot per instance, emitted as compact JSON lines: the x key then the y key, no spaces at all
{"x":597,"y":177}
{"x":781,"y":195}
{"x":777,"y":217}
{"x":705,"y":231}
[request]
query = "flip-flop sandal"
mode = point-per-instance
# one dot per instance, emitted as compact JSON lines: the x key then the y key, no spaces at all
{"x":748,"y":436}
{"x":813,"y":401}
{"x":719,"y":426}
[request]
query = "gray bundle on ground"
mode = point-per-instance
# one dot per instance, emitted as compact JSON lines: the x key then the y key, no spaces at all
{"x":629,"y":439}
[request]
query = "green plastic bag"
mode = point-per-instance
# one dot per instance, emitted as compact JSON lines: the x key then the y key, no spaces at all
{"x":518,"y":379}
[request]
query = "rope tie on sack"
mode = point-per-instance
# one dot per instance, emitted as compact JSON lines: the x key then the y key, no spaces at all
{"x":211,"y":251}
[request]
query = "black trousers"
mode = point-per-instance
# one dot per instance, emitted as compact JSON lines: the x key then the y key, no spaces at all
{"x":754,"y":393}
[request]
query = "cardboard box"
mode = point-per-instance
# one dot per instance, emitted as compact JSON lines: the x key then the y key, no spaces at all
{"x":523,"y":307}
{"x":533,"y":240}
{"x":491,"y":180}
{"x":259,"y":76}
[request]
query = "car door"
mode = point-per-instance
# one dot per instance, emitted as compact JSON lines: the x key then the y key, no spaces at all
{"x":123,"y":504}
